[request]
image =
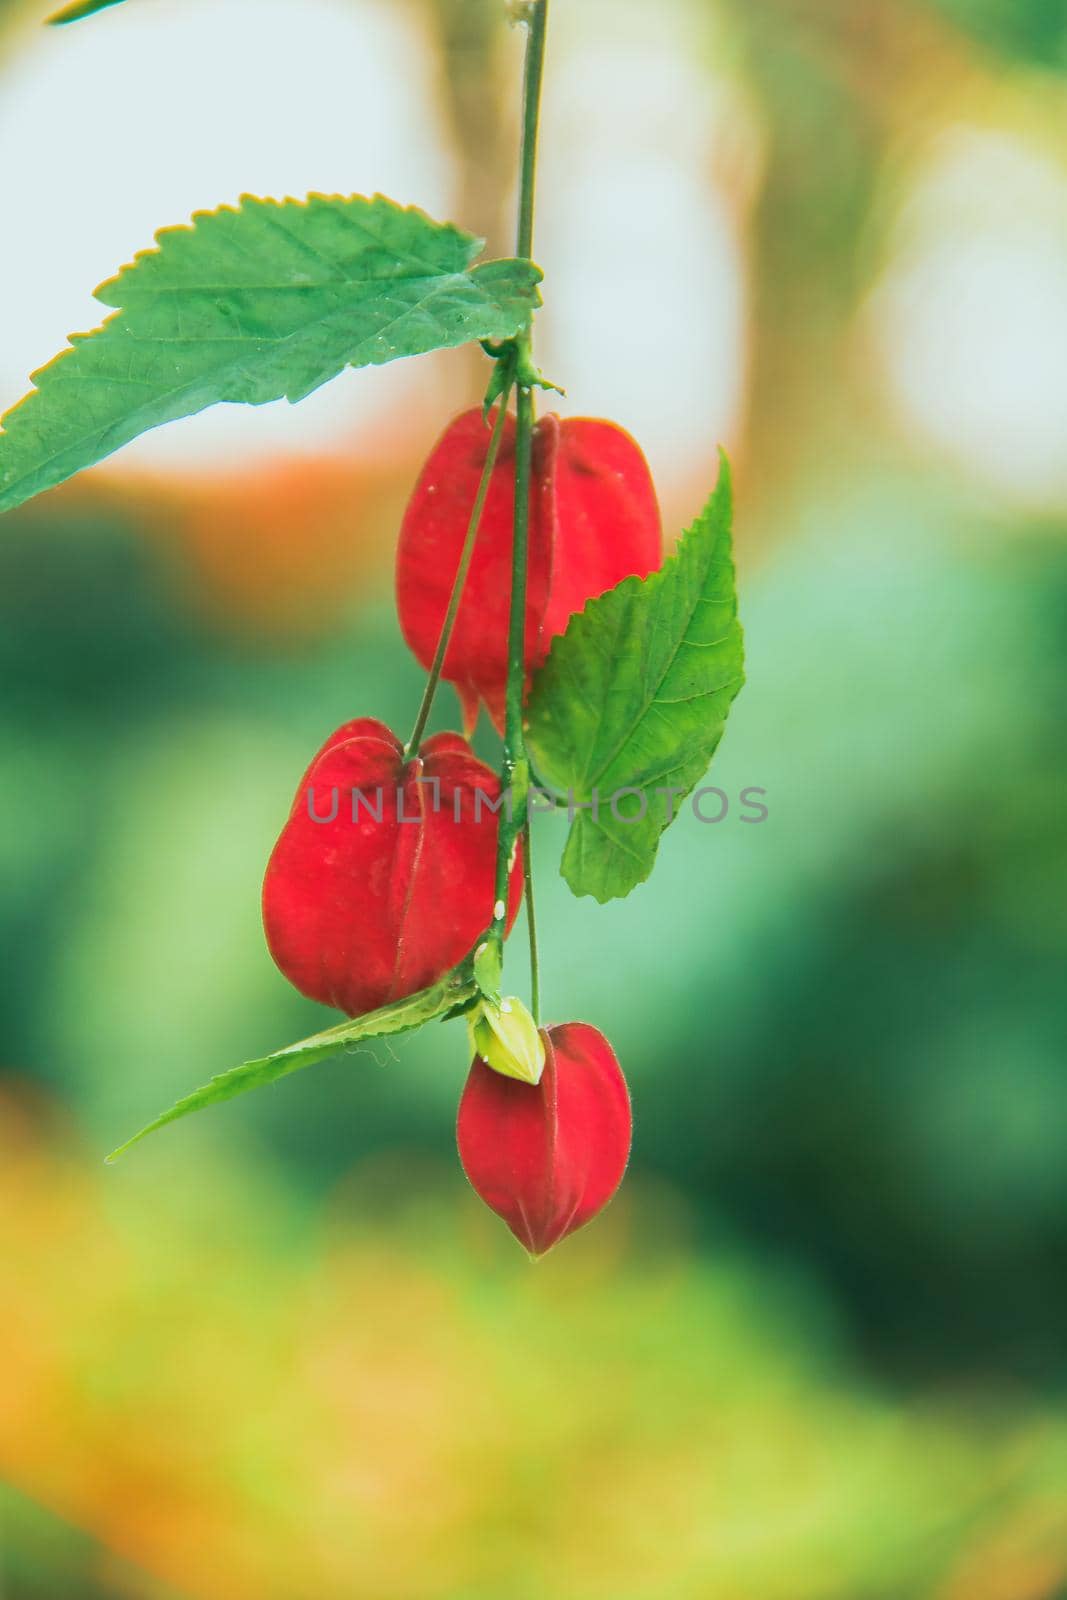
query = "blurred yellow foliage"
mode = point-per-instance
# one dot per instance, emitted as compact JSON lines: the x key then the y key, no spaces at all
{"x":245,"y":1403}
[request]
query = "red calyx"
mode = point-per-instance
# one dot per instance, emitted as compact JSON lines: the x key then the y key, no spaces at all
{"x":382,"y":899}
{"x":594,"y":520}
{"x":547,"y":1157}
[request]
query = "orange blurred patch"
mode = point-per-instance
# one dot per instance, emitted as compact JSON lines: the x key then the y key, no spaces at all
{"x":1023,"y":1558}
{"x":286,"y":547}
{"x":290,"y":546}
{"x":293,"y":545}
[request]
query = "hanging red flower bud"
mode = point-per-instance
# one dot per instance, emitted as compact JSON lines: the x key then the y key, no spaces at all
{"x":548,"y":1156}
{"x":383,"y":876}
{"x":594,"y":520}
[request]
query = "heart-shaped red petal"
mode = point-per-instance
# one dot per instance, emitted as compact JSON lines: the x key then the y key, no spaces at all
{"x":607,"y":521}
{"x":594,"y":520}
{"x":384,"y":875}
{"x":547,"y":1157}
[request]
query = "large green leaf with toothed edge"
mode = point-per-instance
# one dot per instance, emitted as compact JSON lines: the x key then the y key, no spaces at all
{"x":629,"y":707}
{"x":265,"y":300}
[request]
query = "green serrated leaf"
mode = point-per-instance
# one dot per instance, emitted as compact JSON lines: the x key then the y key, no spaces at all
{"x":80,"y":9}
{"x":455,"y":990}
{"x":250,"y":304}
{"x":634,"y":696}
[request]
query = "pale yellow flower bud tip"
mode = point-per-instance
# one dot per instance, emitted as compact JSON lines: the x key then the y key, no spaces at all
{"x":507,"y":1039}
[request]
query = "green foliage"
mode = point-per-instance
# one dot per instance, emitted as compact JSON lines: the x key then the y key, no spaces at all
{"x":634,"y":696}
{"x":250,"y":304}
{"x":1029,"y":30}
{"x":80,"y":9}
{"x":455,"y":989}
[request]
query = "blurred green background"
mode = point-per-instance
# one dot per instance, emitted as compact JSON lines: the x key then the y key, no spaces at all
{"x":815,"y":1350}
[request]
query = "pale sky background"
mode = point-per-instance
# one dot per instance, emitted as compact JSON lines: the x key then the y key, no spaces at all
{"x":641,"y":237}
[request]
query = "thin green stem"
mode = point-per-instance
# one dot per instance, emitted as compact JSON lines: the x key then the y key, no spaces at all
{"x":537,"y":22}
{"x":460,"y":579}
{"x":515,"y":773}
{"x":531,"y":923}
{"x":516,"y":684}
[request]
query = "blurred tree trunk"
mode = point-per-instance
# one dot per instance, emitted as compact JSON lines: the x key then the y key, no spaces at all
{"x":842,"y":83}
{"x":479,"y":93}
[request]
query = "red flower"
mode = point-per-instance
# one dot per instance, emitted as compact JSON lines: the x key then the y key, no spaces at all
{"x":548,"y":1157}
{"x":392,"y":884}
{"x":594,"y":520}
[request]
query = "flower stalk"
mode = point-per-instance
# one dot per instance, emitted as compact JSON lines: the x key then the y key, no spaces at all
{"x":515,"y":772}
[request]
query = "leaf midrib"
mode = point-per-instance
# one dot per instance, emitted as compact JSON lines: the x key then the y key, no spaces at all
{"x":253,"y":354}
{"x":142,"y":293}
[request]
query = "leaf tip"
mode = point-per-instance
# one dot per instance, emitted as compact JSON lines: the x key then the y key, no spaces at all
{"x":122,"y":1149}
{"x":77,"y":11}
